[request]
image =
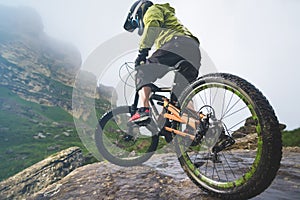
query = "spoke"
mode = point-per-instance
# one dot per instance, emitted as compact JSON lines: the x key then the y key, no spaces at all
{"x":238,"y":123}
{"x":224,"y":117}
{"x":238,"y":163}
{"x":213,"y":172}
{"x":217,"y":172}
{"x":228,"y":165}
{"x":201,"y":99}
{"x":205,"y":97}
{"x":215,"y":96}
{"x":241,"y":169}
{"x":206,"y":164}
{"x":210,"y":96}
{"x":203,"y":102}
{"x":223,"y":102}
{"x":225,"y":170}
{"x":228,"y":104}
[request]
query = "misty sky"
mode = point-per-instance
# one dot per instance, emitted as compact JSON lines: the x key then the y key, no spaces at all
{"x":255,"y":39}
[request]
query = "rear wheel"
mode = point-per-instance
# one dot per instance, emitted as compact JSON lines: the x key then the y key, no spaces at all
{"x":239,"y":153}
{"x":123,"y":144}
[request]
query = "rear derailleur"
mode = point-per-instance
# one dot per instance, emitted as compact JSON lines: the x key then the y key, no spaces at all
{"x":209,"y":128}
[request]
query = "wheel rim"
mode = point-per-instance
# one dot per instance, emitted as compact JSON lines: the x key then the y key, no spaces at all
{"x":238,"y":165}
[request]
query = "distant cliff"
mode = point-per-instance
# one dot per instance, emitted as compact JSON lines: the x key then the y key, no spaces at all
{"x":37,"y":67}
{"x":37,"y":75}
{"x":25,"y":44}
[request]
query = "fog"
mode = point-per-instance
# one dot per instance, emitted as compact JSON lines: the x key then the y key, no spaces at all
{"x":255,"y":39}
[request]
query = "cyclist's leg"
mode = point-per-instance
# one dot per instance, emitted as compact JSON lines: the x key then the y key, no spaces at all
{"x":183,"y":78}
{"x":146,"y":75}
{"x":149,"y":73}
{"x":156,"y":67}
{"x":165,"y":59}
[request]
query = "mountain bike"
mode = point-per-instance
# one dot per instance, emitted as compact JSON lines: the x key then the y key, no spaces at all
{"x":225,"y":132}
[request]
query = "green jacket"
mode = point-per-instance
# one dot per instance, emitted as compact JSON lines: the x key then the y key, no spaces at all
{"x":161,"y":26}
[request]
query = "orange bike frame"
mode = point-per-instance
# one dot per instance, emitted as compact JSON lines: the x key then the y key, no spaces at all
{"x":175,"y":115}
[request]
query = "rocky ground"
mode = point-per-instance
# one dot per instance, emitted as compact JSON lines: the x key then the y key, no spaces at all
{"x":104,"y":181}
{"x":159,"y":178}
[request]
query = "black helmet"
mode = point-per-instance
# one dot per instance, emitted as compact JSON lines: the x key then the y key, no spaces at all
{"x":135,"y":16}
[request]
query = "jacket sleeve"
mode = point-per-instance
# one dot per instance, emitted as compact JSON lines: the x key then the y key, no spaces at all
{"x":153,"y":21}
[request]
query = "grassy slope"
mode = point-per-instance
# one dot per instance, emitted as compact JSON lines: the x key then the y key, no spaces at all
{"x":20,"y":121}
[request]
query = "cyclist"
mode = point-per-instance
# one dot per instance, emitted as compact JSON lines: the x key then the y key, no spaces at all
{"x":158,"y":24}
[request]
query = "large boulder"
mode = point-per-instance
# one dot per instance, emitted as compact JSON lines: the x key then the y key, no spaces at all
{"x":41,"y":175}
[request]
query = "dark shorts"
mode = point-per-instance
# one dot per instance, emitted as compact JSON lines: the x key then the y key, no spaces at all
{"x":177,"y":49}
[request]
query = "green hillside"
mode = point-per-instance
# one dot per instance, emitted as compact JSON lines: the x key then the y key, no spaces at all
{"x":35,"y":67}
{"x":29,"y":132}
{"x":291,"y":138}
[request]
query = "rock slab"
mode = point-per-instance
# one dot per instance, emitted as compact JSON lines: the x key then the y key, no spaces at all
{"x":41,"y":175}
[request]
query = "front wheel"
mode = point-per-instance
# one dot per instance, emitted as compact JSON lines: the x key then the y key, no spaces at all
{"x":238,"y":155}
{"x":123,"y":144}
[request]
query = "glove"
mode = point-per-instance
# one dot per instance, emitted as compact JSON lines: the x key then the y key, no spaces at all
{"x":141,"y":59}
